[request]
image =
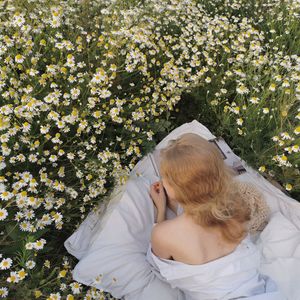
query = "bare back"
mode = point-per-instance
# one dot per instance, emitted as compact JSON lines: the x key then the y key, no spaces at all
{"x":193,"y":244}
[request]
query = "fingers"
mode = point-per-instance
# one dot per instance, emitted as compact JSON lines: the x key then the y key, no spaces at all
{"x":156,"y":186}
{"x":153,"y":190}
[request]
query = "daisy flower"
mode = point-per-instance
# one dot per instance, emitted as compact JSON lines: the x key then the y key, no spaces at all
{"x":3,"y":292}
{"x":19,"y":58}
{"x":76,"y":287}
{"x":30,"y":264}
{"x":272,"y":87}
{"x":3,"y":214}
{"x":265,"y":110}
{"x":242,"y":89}
{"x":288,"y":187}
{"x":13,"y":278}
{"x":5,"y":264}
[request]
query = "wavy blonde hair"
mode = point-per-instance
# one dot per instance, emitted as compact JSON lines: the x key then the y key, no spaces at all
{"x":204,"y":185}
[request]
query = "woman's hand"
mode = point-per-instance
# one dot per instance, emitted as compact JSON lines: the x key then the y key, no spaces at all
{"x":158,"y":195}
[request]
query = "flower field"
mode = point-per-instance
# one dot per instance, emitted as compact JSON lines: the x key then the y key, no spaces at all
{"x":88,"y":87}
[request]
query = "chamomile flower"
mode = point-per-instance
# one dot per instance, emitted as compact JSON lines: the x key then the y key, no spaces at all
{"x":5,"y":263}
{"x":295,"y":148}
{"x":62,"y":273}
{"x":75,"y":92}
{"x":19,"y":58}
{"x":236,"y":110}
{"x":272,"y":87}
{"x":265,"y":110}
{"x":25,"y":226}
{"x":208,"y":79}
{"x":6,"y":195}
{"x":30,"y":264}
{"x":285,"y":83}
{"x":29,"y":246}
{"x":76,"y":287}
{"x":254,"y":100}
{"x":288,"y":187}
{"x":47,"y":264}
{"x":242,"y":89}
{"x":285,"y":136}
{"x":53,"y":158}
{"x":3,"y":292}
{"x":13,"y":278}
{"x":22,"y":274}
{"x":3,"y":214}
{"x":240,"y":121}
{"x":55,"y":296}
{"x":39,"y":244}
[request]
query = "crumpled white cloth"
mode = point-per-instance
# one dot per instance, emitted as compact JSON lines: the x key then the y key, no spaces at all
{"x":229,"y":277}
{"x":115,"y":243}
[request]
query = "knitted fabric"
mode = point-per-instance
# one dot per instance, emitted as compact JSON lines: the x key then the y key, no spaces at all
{"x":260,"y":211}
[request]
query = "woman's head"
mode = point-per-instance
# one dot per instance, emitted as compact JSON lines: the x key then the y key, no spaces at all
{"x":192,"y":164}
{"x":194,"y":174}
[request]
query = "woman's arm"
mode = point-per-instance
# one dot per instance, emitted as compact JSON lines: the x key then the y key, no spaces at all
{"x":159,"y":198}
{"x":161,"y":215}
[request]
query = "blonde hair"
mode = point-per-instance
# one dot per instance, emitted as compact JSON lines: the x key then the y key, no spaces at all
{"x":204,"y":185}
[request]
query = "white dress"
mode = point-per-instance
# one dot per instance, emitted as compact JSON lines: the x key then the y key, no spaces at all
{"x":234,"y":276}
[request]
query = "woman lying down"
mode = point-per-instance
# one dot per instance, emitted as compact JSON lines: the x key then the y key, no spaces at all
{"x":206,"y":251}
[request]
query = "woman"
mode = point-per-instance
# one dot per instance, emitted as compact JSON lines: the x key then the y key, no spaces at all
{"x":206,"y":251}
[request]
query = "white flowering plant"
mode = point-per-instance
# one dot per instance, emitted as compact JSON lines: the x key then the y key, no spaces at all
{"x":252,"y":94}
{"x":86,"y":89}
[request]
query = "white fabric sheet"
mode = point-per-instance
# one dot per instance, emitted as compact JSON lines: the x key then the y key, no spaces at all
{"x":228,"y":277}
{"x":114,"y":244}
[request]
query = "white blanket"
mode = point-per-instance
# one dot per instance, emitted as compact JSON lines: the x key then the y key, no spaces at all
{"x":114,"y":244}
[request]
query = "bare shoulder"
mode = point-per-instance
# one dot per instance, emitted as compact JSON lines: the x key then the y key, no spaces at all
{"x":167,"y":228}
{"x":162,"y":231}
{"x":162,"y":238}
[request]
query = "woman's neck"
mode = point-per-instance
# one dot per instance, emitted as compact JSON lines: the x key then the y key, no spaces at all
{"x":173,"y":205}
